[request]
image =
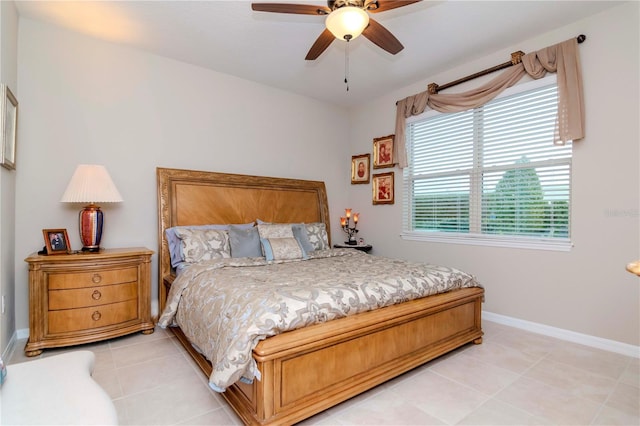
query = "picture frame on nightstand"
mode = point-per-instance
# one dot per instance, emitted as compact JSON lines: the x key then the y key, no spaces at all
{"x":56,"y":241}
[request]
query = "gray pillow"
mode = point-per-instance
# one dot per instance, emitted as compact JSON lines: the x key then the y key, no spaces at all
{"x":300,"y":234}
{"x":245,"y":242}
{"x":318,"y":236}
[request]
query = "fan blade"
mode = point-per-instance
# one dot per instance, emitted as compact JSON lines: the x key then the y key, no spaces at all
{"x":300,"y":9}
{"x":381,"y":36}
{"x":320,"y":45}
{"x":383,"y":5}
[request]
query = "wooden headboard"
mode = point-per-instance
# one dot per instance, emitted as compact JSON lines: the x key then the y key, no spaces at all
{"x":189,"y":197}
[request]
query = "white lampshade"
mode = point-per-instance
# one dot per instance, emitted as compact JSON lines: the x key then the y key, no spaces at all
{"x":347,"y":21}
{"x":91,"y":183}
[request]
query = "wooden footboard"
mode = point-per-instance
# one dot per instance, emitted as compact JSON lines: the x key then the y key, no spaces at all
{"x":309,"y":370}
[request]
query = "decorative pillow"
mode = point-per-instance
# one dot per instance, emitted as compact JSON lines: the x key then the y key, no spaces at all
{"x":175,"y":248}
{"x":203,"y":244}
{"x":317,"y":233}
{"x":244,"y":242}
{"x":300,"y":234}
{"x":275,"y":230}
{"x":282,"y":249}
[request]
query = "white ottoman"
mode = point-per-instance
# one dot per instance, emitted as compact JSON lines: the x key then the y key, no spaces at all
{"x":57,"y":390}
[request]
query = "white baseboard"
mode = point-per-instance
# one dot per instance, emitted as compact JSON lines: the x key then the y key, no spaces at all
{"x":8,"y":351}
{"x":571,"y":336}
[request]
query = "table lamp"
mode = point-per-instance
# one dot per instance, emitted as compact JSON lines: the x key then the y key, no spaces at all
{"x":345,"y":222}
{"x":91,"y":184}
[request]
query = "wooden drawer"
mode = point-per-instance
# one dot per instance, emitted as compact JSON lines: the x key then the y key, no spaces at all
{"x":67,"y":320}
{"x":99,"y":277}
{"x":91,"y":296}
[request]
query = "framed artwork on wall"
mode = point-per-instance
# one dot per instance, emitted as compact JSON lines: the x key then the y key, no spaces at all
{"x":56,"y":241}
{"x":9,"y":117}
{"x":383,"y":152}
{"x":383,"y":191}
{"x":360,"y":168}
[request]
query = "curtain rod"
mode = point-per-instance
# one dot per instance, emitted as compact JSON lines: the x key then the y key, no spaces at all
{"x":516,"y":58}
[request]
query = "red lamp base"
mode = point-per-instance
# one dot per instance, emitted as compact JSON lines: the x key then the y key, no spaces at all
{"x":90,"y":223}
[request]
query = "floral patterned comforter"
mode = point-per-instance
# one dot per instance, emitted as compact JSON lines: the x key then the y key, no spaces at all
{"x":226,"y":306}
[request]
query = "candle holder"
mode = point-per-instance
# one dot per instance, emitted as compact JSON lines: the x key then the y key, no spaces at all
{"x":345,"y":222}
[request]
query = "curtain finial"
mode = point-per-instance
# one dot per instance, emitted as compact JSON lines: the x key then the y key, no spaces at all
{"x":516,"y":57}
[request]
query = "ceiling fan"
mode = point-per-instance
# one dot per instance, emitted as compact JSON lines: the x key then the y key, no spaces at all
{"x":346,"y":20}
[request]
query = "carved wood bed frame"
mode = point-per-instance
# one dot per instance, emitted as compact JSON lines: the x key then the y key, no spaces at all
{"x":308,"y":370}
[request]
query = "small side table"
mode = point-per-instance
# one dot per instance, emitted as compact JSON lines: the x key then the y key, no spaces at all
{"x":362,"y":247}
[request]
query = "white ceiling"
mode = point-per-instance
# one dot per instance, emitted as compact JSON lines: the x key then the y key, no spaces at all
{"x":227,"y":36}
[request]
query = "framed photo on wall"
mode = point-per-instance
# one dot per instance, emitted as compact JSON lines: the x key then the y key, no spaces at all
{"x":56,"y":241}
{"x":360,"y":168}
{"x":383,"y":191}
{"x":383,"y":152}
{"x":8,"y":127}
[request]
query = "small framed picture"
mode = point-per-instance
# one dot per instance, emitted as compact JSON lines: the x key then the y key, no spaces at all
{"x":360,"y":168}
{"x":8,"y":126}
{"x":56,"y":241}
{"x":383,"y":152}
{"x":383,"y":188}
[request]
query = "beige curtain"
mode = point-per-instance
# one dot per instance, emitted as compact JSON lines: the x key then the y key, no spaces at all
{"x":561,"y":58}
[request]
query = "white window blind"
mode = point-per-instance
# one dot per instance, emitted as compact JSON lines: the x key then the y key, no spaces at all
{"x":490,"y":175}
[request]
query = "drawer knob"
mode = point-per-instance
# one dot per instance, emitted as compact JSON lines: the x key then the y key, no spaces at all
{"x":96,"y":278}
{"x":96,"y":295}
{"x":96,"y":316}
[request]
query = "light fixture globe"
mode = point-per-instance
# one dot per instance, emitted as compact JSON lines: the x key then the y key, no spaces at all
{"x":347,"y":23}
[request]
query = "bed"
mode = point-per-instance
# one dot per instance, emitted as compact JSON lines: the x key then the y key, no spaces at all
{"x":307,"y":370}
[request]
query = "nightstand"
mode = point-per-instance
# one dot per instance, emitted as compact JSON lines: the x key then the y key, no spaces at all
{"x":362,"y":247}
{"x":86,"y":297}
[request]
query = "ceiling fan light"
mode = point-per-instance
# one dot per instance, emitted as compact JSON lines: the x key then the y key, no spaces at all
{"x":347,"y":23}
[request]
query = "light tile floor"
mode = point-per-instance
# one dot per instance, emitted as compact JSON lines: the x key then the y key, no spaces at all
{"x":513,"y":378}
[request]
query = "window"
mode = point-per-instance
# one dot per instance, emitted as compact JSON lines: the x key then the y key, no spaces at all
{"x":490,"y":175}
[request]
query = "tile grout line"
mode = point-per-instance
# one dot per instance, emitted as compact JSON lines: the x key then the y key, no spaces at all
{"x":604,"y":403}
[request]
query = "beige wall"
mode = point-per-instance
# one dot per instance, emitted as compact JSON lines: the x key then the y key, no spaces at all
{"x":8,"y":76}
{"x":86,"y":101}
{"x":586,"y":290}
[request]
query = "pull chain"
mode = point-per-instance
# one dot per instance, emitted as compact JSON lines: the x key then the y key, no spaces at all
{"x":346,"y":63}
